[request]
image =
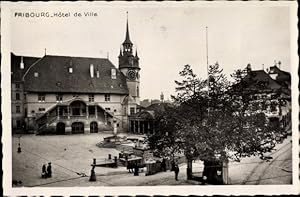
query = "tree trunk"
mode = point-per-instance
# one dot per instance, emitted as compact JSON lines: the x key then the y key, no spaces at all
{"x":189,"y":169}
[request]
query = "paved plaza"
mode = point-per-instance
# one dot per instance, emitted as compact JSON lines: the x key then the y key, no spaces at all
{"x":72,"y":155}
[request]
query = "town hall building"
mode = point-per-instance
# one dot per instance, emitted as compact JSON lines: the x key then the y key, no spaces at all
{"x":68,"y":95}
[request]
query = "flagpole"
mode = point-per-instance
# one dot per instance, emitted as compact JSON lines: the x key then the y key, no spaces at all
{"x":207,"y":67}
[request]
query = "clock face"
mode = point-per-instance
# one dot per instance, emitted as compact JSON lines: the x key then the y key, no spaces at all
{"x":131,"y":75}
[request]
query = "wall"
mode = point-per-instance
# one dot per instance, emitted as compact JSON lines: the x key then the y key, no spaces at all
{"x":17,"y":116}
{"x":115,"y":105}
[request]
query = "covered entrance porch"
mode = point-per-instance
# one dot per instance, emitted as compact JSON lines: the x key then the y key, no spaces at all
{"x":76,"y":116}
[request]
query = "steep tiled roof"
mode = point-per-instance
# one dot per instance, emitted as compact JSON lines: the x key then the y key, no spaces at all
{"x":259,"y":79}
{"x":284,"y":78}
{"x":158,"y":107}
{"x":54,"y":76}
{"x":17,"y":72}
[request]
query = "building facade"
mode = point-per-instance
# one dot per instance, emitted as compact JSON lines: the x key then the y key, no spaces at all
{"x":65,"y":95}
{"x":270,"y":92}
{"x":19,"y":65}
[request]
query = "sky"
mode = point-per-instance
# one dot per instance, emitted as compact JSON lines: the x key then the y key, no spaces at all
{"x":166,"y":37}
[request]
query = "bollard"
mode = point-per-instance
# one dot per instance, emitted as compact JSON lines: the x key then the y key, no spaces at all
{"x":116,"y":161}
{"x":109,"y":156}
{"x":93,"y":175}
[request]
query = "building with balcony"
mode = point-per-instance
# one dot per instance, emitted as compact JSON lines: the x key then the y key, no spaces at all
{"x":69,"y":95}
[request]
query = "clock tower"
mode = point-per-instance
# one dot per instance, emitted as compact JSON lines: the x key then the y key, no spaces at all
{"x":129,"y":66}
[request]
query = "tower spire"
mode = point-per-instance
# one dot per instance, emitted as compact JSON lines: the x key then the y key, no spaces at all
{"x":127,"y":37}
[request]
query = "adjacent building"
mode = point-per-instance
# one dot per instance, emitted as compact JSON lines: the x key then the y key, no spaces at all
{"x":274,"y":87}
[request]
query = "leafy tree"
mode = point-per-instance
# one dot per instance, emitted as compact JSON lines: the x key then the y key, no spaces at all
{"x":214,"y":124}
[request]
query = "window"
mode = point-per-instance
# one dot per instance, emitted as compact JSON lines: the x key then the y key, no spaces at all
{"x":118,"y":125}
{"x":91,"y":97}
{"x":132,"y":110}
{"x":36,"y":74}
{"x":18,"y":110}
{"x":115,"y":110}
{"x":59,"y":97}
{"x":18,"y":123}
{"x":17,"y":85}
{"x":137,"y":91}
{"x":107,"y":109}
{"x":17,"y":96}
{"x":41,"y":97}
{"x":107,"y":97}
{"x":113,"y":73}
{"x":32,"y":111}
{"x":41,"y":109}
{"x":75,"y":95}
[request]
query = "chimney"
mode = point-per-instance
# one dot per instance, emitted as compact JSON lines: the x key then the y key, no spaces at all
{"x":92,"y":70}
{"x":113,"y":73}
{"x":248,"y":68}
{"x":22,"y":63}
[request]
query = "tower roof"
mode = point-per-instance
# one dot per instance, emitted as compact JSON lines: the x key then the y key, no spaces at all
{"x":127,"y":37}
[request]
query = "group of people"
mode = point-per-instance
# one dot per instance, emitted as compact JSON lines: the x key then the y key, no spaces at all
{"x":133,"y":168}
{"x":47,"y":171}
{"x":174,"y":168}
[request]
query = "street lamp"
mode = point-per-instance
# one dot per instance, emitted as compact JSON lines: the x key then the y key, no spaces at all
{"x":19,"y":144}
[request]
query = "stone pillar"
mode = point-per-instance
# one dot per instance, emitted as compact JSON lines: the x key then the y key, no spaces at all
{"x":148,"y":123}
{"x":87,"y":112}
{"x":225,"y":172}
{"x":96,"y":112}
{"x":87,"y":128}
{"x":142,"y":126}
{"x":138,"y":126}
{"x":133,"y":126}
{"x":105,"y":118}
{"x":68,"y":112}
{"x":58,"y":112}
{"x":47,"y":117}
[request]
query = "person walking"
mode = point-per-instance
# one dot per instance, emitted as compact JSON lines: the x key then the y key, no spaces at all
{"x":49,"y":170}
{"x":44,"y":171}
{"x":176,"y":170}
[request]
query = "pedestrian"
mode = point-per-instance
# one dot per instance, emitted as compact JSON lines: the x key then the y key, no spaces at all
{"x":44,"y":171}
{"x":49,"y":170}
{"x":172,"y":165}
{"x":136,"y":170}
{"x":129,"y":167}
{"x":176,"y":170}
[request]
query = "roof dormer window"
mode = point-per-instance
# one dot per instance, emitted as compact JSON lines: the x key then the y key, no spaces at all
{"x":113,"y":73}
{"x":36,"y":74}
